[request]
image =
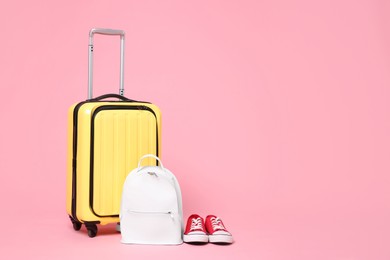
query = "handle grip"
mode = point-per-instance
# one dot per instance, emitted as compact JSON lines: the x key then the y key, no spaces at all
{"x":103,"y":31}
{"x":123,"y":98}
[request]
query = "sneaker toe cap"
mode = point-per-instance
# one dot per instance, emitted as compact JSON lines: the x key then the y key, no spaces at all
{"x":196,"y":233}
{"x":222,"y":232}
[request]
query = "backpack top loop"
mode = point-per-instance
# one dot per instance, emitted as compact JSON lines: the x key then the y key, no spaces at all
{"x":148,"y":156}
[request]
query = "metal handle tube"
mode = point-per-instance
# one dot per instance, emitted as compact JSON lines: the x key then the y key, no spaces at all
{"x":102,"y":31}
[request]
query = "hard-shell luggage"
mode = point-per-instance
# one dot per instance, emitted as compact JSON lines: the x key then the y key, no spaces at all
{"x":106,"y":138}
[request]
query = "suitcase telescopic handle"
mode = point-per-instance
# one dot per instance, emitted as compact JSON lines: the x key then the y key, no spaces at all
{"x":103,"y":31}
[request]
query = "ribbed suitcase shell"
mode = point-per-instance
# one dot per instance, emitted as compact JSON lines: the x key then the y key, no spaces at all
{"x":105,"y":142}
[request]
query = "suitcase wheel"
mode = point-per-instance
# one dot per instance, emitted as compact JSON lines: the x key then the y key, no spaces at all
{"x":76,"y":226}
{"x":92,"y":229}
{"x":75,"y":223}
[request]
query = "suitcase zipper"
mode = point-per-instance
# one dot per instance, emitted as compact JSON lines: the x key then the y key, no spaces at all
{"x":92,"y":144}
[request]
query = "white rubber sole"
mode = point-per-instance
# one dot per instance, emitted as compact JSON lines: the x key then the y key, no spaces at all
{"x":196,"y":238}
{"x":223,"y":239}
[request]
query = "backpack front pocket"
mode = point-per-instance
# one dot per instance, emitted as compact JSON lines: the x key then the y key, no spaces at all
{"x":143,"y":227}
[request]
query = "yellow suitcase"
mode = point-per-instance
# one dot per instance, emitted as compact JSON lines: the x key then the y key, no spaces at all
{"x":106,"y":138}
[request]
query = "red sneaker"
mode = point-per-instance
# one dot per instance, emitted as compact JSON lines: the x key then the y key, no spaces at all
{"x":217,"y":231}
{"x":195,"y":231}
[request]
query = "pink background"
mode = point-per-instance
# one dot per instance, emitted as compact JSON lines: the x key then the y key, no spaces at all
{"x":275,"y":118}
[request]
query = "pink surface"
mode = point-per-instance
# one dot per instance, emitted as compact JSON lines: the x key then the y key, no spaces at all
{"x":275,"y":118}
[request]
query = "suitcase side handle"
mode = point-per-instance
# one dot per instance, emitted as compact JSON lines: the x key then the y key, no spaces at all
{"x":103,"y":31}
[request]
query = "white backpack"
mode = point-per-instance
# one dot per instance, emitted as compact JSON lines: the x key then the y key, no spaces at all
{"x":151,"y":208}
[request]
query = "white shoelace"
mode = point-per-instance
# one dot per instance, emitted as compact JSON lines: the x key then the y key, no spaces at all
{"x":217,"y":224}
{"x":196,"y":224}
